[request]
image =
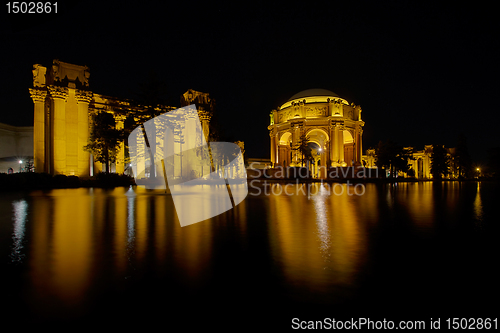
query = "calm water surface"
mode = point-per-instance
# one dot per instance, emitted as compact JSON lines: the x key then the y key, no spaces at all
{"x":119,"y":257}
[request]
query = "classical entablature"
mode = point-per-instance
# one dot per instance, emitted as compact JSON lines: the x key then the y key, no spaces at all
{"x":63,"y":110}
{"x":323,"y":118}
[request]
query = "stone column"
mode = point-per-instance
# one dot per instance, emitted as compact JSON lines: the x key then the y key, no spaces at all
{"x":190,"y":134}
{"x":360,"y":144}
{"x":340,"y":142}
{"x":354,"y":148}
{"x":120,"y":158}
{"x":59,"y":96}
{"x":335,"y":145}
{"x":178,"y":150}
{"x":38,"y":97}
{"x":323,"y":165}
{"x":205,"y":121}
{"x":273,"y":147}
{"x":83,"y":99}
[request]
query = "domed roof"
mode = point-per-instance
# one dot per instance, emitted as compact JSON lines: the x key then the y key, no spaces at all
{"x":313,"y":96}
{"x":313,"y":92}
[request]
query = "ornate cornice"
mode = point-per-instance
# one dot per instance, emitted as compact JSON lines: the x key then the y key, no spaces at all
{"x":120,"y":117}
{"x":204,"y":115}
{"x":58,"y":92}
{"x":83,"y":96}
{"x":38,"y":95}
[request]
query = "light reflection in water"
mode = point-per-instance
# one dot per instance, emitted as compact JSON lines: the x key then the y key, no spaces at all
{"x":79,"y":238}
{"x":71,"y":242}
{"x":130,"y":217}
{"x":322,"y":219}
{"x":478,"y":206}
{"x":20,"y":212}
{"x":420,"y":204}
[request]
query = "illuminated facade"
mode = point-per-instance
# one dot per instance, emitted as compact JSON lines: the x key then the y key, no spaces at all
{"x":329,"y":122}
{"x":420,"y":163}
{"x":63,"y":109}
{"x":16,"y":148}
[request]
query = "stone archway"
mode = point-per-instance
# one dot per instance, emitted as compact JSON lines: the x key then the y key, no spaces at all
{"x":284,"y":150}
{"x":348,"y":148}
{"x":325,"y":118}
{"x":321,"y":139}
{"x":420,"y":168}
{"x":317,"y":156}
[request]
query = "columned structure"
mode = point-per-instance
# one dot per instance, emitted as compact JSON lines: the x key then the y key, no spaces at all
{"x":38,"y":97}
{"x":64,"y":108}
{"x":327,"y":122}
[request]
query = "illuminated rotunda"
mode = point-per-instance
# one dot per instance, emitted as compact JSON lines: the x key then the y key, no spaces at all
{"x":332,"y":127}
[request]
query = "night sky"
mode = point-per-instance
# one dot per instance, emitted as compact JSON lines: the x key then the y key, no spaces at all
{"x":422,"y":73}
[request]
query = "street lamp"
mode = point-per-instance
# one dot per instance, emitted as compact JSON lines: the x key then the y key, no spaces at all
{"x":20,"y":163}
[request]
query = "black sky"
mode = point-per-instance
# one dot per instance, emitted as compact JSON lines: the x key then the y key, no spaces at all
{"x":422,"y":73}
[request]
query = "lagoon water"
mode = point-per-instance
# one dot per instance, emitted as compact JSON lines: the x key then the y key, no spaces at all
{"x":119,"y":257}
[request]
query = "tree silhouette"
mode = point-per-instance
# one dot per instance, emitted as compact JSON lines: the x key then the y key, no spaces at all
{"x":304,"y":149}
{"x":393,"y":157}
{"x":440,"y":162}
{"x":104,"y":141}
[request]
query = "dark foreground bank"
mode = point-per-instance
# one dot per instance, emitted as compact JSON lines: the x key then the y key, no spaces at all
{"x":41,"y":181}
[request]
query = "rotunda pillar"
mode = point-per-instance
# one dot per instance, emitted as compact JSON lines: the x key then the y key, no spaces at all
{"x":340,"y":142}
{"x":273,"y":147}
{"x":120,"y":158}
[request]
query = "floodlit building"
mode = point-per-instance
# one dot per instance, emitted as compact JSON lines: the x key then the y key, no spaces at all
{"x":16,"y":148}
{"x":420,"y":162}
{"x":64,"y":107}
{"x":329,"y":124}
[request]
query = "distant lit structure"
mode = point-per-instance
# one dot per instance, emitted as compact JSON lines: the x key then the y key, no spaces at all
{"x":329,"y":122}
{"x":63,"y":110}
{"x":16,"y":143}
{"x":420,"y":164}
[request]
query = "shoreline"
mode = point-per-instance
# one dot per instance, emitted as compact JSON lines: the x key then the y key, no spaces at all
{"x":39,"y":181}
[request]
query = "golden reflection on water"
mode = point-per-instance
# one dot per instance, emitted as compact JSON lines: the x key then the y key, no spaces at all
{"x":419,"y":203}
{"x":318,"y":234}
{"x":322,"y":220}
{"x":71,"y":241}
{"x":321,"y":234}
{"x":478,"y":205}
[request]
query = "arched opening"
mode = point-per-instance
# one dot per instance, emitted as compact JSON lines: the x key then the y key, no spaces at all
{"x":284,"y":149}
{"x":348,"y":148}
{"x":322,"y":157}
{"x":420,"y":168}
{"x":319,"y":136}
{"x":314,"y":158}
